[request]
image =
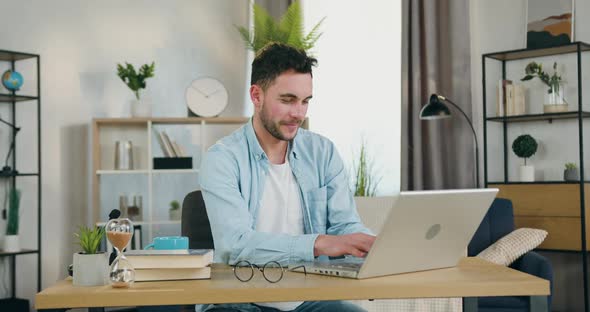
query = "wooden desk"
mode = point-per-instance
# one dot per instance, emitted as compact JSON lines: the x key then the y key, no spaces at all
{"x":471,"y":278}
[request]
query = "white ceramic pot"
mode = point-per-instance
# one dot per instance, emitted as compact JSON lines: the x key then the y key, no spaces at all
{"x":11,"y":243}
{"x":91,"y":270}
{"x":175,"y":214}
{"x":527,"y":173}
{"x":141,"y":108}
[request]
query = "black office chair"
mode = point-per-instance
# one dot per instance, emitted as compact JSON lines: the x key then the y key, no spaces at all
{"x":195,"y":222}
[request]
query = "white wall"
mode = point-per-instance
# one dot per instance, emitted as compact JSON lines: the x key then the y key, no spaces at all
{"x":498,"y":26}
{"x":80,"y":42}
{"x":357,"y":84}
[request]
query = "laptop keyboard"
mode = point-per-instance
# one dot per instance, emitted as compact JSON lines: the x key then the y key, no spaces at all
{"x":352,"y":263}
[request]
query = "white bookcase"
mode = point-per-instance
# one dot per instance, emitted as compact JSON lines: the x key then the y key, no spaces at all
{"x":157,"y":187}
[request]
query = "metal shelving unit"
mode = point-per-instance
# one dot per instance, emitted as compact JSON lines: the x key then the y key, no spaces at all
{"x":578,"y":115}
{"x":11,"y":99}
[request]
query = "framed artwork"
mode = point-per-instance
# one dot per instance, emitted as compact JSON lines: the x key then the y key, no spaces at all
{"x":549,"y":23}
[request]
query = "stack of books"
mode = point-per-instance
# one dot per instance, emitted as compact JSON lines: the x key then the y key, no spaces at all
{"x":165,"y":265}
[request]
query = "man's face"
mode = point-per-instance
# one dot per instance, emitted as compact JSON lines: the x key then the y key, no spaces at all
{"x":283,"y":105}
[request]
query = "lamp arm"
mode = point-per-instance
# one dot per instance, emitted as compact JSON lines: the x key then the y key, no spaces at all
{"x":9,"y":124}
{"x":442,"y":98}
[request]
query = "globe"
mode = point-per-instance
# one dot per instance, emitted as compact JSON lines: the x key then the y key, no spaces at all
{"x":12,"y":80}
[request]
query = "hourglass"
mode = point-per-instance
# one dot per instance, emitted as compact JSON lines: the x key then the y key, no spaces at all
{"x":119,"y":233}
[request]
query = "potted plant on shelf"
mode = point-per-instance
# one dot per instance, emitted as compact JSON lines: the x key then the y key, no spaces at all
{"x":554,"y":99}
{"x":91,"y":266}
{"x":288,"y":30}
{"x":365,"y":179}
{"x":571,"y":172}
{"x":11,"y":240}
{"x":525,"y":146}
{"x":175,"y":212}
{"x":135,"y":80}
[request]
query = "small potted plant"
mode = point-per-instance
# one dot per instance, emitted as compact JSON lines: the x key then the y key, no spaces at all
{"x":11,"y":240}
{"x":135,"y":80}
{"x":365,"y":180}
{"x":571,"y":172}
{"x":525,"y":146}
{"x":175,"y":212}
{"x":91,"y":266}
{"x":554,"y":100}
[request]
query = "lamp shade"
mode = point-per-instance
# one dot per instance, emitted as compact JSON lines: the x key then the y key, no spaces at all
{"x":435,"y":109}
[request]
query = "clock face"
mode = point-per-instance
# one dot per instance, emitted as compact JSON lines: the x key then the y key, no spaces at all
{"x":206,"y":97}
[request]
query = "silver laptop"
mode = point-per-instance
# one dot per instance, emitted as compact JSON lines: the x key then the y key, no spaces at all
{"x":424,"y":230}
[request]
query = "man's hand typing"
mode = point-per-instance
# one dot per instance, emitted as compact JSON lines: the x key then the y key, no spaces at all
{"x":356,"y":244}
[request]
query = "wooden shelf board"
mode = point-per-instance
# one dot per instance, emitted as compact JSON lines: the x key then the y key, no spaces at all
{"x":15,"y":56}
{"x":170,"y":120}
{"x":539,"y":117}
{"x":530,"y":53}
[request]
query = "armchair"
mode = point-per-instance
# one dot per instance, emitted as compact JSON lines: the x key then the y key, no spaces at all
{"x":498,"y":222}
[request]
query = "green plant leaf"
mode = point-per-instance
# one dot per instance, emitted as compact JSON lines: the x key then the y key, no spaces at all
{"x":524,"y":146}
{"x":287,"y":30}
{"x":12,"y":226}
{"x":89,"y":239}
{"x":365,"y":180}
{"x":135,"y":80}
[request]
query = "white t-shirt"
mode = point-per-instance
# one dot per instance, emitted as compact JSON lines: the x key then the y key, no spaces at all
{"x":280,"y":212}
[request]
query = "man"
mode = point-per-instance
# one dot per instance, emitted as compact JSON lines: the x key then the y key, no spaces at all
{"x":275,"y":192}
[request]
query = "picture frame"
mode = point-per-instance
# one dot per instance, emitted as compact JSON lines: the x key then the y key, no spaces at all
{"x":549,"y":23}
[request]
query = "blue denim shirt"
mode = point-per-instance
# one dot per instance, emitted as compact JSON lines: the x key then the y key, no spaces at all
{"x":233,"y":173}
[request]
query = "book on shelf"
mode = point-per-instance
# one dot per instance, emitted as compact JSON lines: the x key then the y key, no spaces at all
{"x":146,"y":275}
{"x":171,"y":259}
{"x":177,"y":149}
{"x":168,"y":144}
{"x":511,"y":99}
{"x":165,"y":148}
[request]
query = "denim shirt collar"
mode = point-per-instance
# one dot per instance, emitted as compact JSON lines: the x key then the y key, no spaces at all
{"x":257,"y":150}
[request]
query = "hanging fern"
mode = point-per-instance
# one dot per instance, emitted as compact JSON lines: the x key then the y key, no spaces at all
{"x":288,"y":30}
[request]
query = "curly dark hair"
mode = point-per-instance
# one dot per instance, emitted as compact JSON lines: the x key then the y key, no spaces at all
{"x":277,"y":58}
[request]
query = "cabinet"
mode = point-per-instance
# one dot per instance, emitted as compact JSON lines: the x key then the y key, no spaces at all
{"x":549,"y":203}
{"x":22,"y":109}
{"x":157,"y":187}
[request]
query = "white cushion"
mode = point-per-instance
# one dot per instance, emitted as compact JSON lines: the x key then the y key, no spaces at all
{"x":510,"y":247}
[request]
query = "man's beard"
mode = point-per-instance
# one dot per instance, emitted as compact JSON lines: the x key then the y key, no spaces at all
{"x":273,"y":128}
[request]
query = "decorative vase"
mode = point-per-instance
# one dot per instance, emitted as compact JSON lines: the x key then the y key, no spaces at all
{"x":141,"y":108}
{"x":571,"y":175}
{"x":175,"y":214}
{"x":90,"y":269}
{"x":527,"y":173}
{"x":554,"y":100}
{"x":11,"y":243}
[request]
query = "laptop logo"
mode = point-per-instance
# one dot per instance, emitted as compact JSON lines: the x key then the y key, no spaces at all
{"x":433,"y":231}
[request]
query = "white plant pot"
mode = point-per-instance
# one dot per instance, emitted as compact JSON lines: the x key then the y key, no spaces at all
{"x":141,"y":108}
{"x":175,"y":214}
{"x":527,"y":173}
{"x":11,"y":243}
{"x":91,"y":270}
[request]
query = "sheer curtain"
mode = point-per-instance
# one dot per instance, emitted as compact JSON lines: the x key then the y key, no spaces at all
{"x":436,"y":59}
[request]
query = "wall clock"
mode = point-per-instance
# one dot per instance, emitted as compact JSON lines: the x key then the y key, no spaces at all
{"x":206,"y":97}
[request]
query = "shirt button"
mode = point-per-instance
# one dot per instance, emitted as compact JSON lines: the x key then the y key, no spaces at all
{"x":257,"y":157}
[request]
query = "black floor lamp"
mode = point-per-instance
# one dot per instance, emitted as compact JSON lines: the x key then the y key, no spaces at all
{"x":6,"y":170}
{"x":436,"y":109}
